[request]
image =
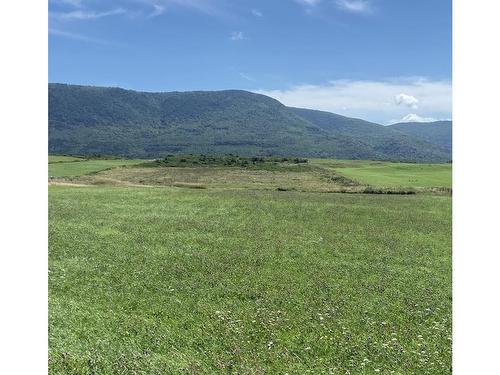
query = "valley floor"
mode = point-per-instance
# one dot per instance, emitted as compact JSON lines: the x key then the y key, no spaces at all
{"x":317,"y":175}
{"x":165,"y":279}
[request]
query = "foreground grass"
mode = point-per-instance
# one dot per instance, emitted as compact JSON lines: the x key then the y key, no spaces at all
{"x":74,"y":168}
{"x":386,"y":174}
{"x":167,"y":280}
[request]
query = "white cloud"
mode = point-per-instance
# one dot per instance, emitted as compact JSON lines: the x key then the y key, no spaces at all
{"x":413,"y":117}
{"x":157,"y":10}
{"x":354,"y":6}
{"x":237,"y":35}
{"x":209,"y":7}
{"x":75,"y":36}
{"x":257,"y":13}
{"x":87,"y":15}
{"x":310,"y":6}
{"x":247,"y":77}
{"x":407,"y":100}
{"x":75,"y":3}
{"x":370,"y":100}
{"x":146,"y":8}
{"x":308,"y":2}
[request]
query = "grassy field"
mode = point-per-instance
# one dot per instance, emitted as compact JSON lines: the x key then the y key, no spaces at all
{"x":317,"y":175}
{"x":78,"y":167}
{"x":172,"y":280}
{"x":238,"y":276}
{"x":63,"y":159}
{"x":388,"y":174}
{"x":294,"y":178}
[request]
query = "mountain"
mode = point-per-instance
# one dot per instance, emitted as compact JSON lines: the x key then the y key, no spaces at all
{"x":98,"y":120}
{"x":437,"y":132}
{"x":381,"y":142}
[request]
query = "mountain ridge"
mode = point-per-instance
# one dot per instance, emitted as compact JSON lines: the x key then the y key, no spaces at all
{"x":93,"y":119}
{"x":436,"y":132}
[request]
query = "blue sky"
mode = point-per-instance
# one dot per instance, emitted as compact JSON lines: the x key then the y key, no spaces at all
{"x":381,"y":60}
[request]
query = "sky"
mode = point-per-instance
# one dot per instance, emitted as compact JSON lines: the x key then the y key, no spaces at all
{"x":380,"y":60}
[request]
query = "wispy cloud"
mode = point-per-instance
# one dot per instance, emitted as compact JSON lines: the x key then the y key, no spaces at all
{"x":86,"y":15}
{"x":209,"y":7}
{"x":237,"y":35}
{"x":247,"y":77}
{"x":372,"y":100}
{"x":257,"y":13}
{"x":147,"y":8}
{"x":75,"y":36}
{"x":354,"y":6}
{"x":75,"y":3}
{"x":309,"y":5}
{"x":308,"y":2}
{"x":157,"y":10}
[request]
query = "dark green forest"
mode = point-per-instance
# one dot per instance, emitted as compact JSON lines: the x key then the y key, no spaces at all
{"x":438,"y":132}
{"x":85,"y":120}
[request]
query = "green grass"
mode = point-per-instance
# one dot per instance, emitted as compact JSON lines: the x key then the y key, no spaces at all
{"x":321,"y":175}
{"x":63,"y":159}
{"x":171,"y":281}
{"x":232,"y":172}
{"x":74,"y":169}
{"x":297,"y":177}
{"x":386,"y":174}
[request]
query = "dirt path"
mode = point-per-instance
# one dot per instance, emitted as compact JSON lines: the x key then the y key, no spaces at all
{"x":60,"y":183}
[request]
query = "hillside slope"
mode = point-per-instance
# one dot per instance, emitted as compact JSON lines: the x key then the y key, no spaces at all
{"x":376,"y":139}
{"x":438,"y":132}
{"x":90,"y":120}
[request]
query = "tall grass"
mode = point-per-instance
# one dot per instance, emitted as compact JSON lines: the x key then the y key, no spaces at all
{"x":174,"y":280}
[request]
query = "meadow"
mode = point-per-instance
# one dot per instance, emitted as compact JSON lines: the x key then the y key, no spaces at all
{"x":63,"y":159}
{"x":245,"y":278}
{"x":379,"y":173}
{"x":63,"y":166}
{"x":316,"y":175}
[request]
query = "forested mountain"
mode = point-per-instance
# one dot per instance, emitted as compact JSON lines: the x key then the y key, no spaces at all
{"x":98,"y":120}
{"x":438,"y":132}
{"x":372,"y":138}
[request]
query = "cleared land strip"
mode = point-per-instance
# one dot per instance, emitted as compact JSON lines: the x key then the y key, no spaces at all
{"x":318,"y":175}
